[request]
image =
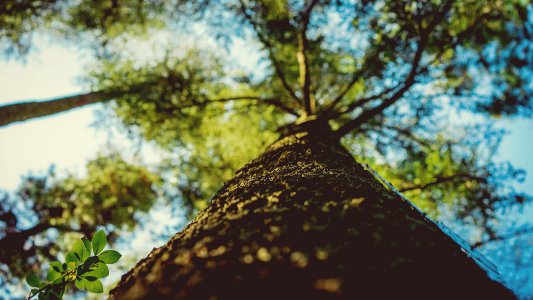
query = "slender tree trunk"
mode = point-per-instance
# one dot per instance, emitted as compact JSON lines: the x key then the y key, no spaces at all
{"x":305,"y":221}
{"x":28,"y":110}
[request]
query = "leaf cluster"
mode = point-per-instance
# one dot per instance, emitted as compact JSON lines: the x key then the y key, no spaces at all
{"x":84,"y":266}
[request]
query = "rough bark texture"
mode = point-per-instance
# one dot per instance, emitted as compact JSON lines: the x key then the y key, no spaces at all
{"x":305,"y":221}
{"x":28,"y":110}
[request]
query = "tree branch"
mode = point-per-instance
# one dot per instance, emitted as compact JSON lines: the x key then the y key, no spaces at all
{"x":34,"y":109}
{"x":260,"y":100}
{"x":504,"y":237}
{"x":440,"y":180}
{"x":15,"y":240}
{"x":303,"y":45}
{"x":371,"y":113}
{"x":268,"y":46}
{"x":409,"y":81}
{"x":360,"y":102}
{"x":28,"y":110}
{"x":355,"y":76}
{"x":408,"y":134}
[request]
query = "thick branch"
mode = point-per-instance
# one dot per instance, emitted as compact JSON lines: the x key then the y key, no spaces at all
{"x":371,"y":113}
{"x":409,"y":81}
{"x":305,"y":78}
{"x":15,"y":240}
{"x":33,"y":109}
{"x":28,"y":110}
{"x":303,"y":45}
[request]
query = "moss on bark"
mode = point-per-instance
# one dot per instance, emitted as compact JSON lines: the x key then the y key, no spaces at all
{"x":304,"y":220}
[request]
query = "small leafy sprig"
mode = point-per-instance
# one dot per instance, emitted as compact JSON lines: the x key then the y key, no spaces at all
{"x":80,"y":267}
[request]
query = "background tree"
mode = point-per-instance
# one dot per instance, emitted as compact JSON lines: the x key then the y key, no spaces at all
{"x":111,"y":195}
{"x":388,"y":76}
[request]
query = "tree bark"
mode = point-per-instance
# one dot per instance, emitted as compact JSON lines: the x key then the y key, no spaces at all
{"x":305,"y":221}
{"x":28,"y":110}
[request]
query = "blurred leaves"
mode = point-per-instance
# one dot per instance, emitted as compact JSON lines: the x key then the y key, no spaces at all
{"x":111,"y":193}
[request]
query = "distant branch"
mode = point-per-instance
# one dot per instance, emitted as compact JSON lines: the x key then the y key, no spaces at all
{"x":361,"y":102}
{"x":269,"y":47}
{"x":441,"y":180}
{"x":355,"y":76}
{"x":259,"y":100}
{"x":408,"y":134}
{"x":504,"y":237}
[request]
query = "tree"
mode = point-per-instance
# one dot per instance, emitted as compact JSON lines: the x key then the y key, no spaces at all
{"x":385,"y":83}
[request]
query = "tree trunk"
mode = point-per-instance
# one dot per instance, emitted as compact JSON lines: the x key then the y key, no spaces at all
{"x":305,"y":221}
{"x":28,"y":110}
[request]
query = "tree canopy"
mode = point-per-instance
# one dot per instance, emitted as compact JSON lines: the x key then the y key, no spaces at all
{"x":411,"y":87}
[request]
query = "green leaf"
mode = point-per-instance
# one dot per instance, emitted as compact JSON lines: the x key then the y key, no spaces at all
{"x":94,"y":286}
{"x":90,"y":262}
{"x":99,"y":242}
{"x":33,"y":280}
{"x":87,"y":244}
{"x":79,"y":283}
{"x":71,"y":266}
{"x":78,"y":249}
{"x":99,"y":271}
{"x":34,"y":292}
{"x":55,"y":264}
{"x":110,"y":256}
{"x":52,"y":275}
{"x":70,"y":257}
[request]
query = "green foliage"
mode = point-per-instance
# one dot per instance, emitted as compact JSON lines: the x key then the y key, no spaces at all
{"x":475,"y":56}
{"x":84,"y":20}
{"x":109,"y":256}
{"x":17,"y":21}
{"x":111,"y":193}
{"x":99,"y":242}
{"x":110,"y":182}
{"x":177,"y":109}
{"x":81,"y":267}
{"x":475,"y":64}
